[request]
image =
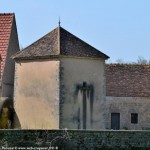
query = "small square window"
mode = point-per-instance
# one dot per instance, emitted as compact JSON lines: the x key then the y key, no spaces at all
{"x":134,"y":118}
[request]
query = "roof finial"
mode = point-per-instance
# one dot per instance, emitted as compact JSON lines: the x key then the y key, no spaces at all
{"x":59,"y":22}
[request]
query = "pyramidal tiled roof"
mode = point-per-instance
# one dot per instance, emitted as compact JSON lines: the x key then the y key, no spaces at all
{"x":6,"y":21}
{"x":59,"y":42}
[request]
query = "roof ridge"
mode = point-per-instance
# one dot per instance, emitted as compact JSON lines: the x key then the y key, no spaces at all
{"x":58,"y":39}
{"x":37,"y":40}
{"x":84,"y":41}
{"x":1,"y":14}
{"x":32,"y":44}
{"x":60,"y":42}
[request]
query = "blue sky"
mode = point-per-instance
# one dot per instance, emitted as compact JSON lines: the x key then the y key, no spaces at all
{"x":119,"y":28}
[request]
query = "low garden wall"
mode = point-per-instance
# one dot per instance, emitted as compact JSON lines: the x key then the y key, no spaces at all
{"x":73,"y":139}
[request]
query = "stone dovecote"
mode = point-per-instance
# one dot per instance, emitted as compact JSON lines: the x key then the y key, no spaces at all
{"x":47,"y":79}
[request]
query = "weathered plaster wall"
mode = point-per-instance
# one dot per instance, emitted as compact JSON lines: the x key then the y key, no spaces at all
{"x":75,"y":71}
{"x":36,"y":96}
{"x":125,"y":106}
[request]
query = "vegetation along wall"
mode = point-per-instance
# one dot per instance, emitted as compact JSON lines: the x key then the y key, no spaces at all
{"x":74,"y":139}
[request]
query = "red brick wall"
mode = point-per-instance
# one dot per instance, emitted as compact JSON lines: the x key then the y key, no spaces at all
{"x":128,"y":80}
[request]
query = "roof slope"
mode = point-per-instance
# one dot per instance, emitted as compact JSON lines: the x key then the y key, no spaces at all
{"x":59,"y":42}
{"x":128,"y":80}
{"x":6,"y":21}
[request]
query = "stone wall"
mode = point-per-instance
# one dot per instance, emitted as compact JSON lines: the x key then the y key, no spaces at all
{"x":75,"y":139}
{"x":125,"y":106}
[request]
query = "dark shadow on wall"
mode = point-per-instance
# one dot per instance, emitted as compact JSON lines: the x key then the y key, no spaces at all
{"x":7,"y":114}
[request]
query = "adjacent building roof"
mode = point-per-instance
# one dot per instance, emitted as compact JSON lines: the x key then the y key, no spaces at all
{"x":128,"y":80}
{"x":6,"y":21}
{"x":59,"y":42}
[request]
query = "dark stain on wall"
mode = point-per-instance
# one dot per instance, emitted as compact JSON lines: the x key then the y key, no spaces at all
{"x":61,"y":95}
{"x":91,"y":103}
{"x":79,"y":127}
{"x":87,"y":92}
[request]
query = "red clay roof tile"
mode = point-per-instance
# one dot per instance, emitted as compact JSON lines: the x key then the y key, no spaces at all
{"x":5,"y":30}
